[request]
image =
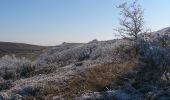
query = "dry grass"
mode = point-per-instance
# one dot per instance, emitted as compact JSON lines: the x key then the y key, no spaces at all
{"x":97,"y":78}
{"x":94,"y":79}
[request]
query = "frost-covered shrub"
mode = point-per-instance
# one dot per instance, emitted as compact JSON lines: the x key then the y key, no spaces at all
{"x":45,"y":69}
{"x":68,"y":55}
{"x":65,"y":54}
{"x":5,"y":85}
{"x":154,"y":54}
{"x":13,"y":68}
{"x":153,"y":61}
{"x":30,"y":91}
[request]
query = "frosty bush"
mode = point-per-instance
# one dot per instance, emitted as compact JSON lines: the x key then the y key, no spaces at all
{"x":13,"y":68}
{"x":5,"y":85}
{"x":99,"y":51}
{"x":154,"y":54}
{"x":30,"y":91}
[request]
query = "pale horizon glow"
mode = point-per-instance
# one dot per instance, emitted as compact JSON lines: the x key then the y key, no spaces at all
{"x":51,"y":22}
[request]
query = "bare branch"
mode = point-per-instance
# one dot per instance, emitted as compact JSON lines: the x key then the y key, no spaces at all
{"x":131,"y":20}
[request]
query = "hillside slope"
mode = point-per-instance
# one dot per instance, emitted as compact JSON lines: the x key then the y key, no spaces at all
{"x":62,"y":64}
{"x":20,"y":49}
{"x":101,"y":70}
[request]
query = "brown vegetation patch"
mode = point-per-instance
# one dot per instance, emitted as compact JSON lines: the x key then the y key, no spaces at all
{"x":93,"y":79}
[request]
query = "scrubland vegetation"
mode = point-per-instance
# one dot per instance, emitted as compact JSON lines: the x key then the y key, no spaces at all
{"x":134,"y":67}
{"x":103,"y":70}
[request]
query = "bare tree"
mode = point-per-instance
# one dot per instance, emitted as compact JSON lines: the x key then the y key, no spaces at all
{"x":131,"y":21}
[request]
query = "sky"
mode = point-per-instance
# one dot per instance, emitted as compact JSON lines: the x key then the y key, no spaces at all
{"x":51,"y":22}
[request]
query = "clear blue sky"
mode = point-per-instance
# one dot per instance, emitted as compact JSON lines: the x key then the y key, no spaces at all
{"x":51,"y":22}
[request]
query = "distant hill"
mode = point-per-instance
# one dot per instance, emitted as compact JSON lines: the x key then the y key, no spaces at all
{"x":20,"y":49}
{"x":164,"y":30}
